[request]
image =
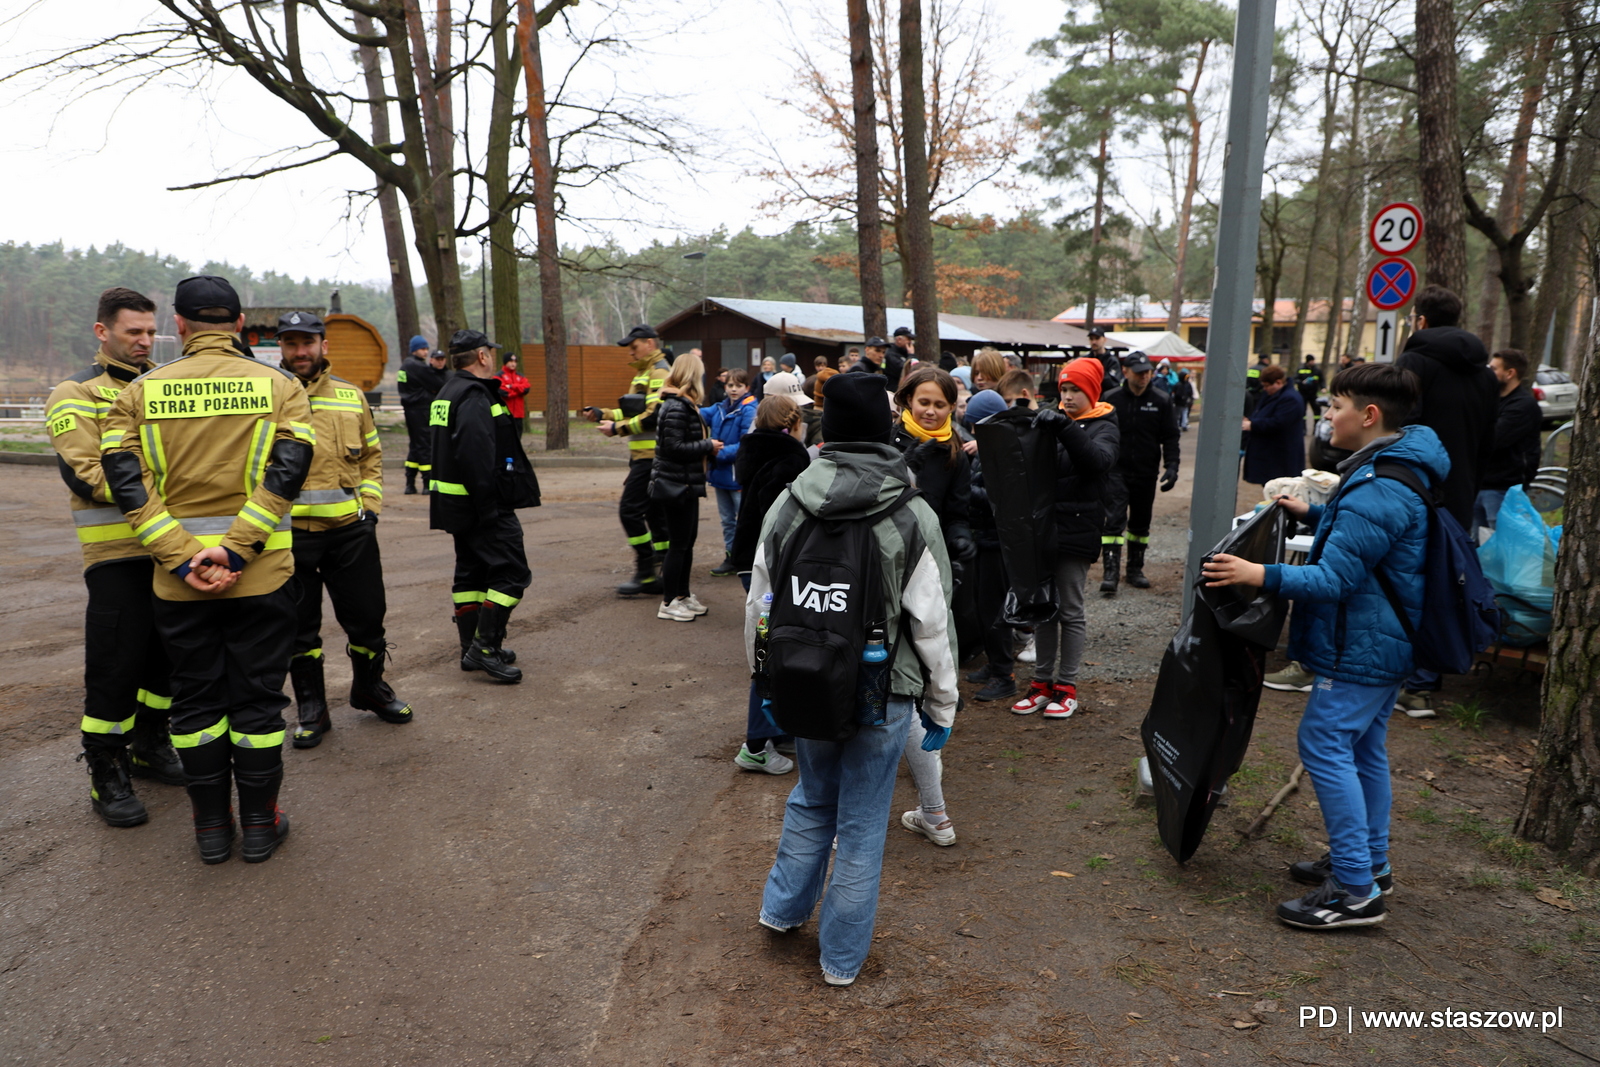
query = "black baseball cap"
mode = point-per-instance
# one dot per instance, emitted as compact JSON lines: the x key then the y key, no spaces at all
{"x":876,"y":342}
{"x":206,"y":291}
{"x":1096,"y":332}
{"x":640,"y":332}
{"x":1137,"y":362}
{"x":469,"y":341}
{"x":904,"y":332}
{"x":301,"y":322}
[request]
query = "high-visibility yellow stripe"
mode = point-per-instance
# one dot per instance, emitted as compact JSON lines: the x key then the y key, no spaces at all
{"x":147,"y":532}
{"x":323,"y":403}
{"x":92,"y":725}
{"x":155,"y":457}
{"x":111,"y":531}
{"x":326,"y":511}
{"x":304,"y":431}
{"x":1108,"y":540}
{"x":215,"y":732}
{"x":258,"y":516}
{"x":275,"y":541}
{"x":372,"y":488}
{"x":153,"y":700}
{"x":93,"y":408}
{"x":272,"y":740}
{"x":110,"y":439}
{"x":255,"y":467}
{"x":503,"y":599}
{"x":371,"y":439}
{"x":468,"y":597}
{"x":315,"y":653}
{"x":367,"y":652}
{"x":639,"y":444}
{"x":1135,"y":539}
{"x":661,"y":546}
{"x":448,"y":488}
{"x":642,"y":539}
{"x":497,"y":409}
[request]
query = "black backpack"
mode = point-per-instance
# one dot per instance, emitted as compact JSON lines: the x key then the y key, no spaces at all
{"x":827,"y":593}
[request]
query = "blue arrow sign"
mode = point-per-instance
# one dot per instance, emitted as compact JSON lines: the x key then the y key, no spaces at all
{"x":1391,"y":283}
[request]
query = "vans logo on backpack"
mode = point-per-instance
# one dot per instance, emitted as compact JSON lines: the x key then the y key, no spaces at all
{"x":823,"y":598}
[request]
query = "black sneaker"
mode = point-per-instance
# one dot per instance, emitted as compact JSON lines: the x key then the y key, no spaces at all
{"x":725,"y":569}
{"x":981,"y":675}
{"x":1315,"y":872}
{"x":1329,"y":907}
{"x":1000,"y":687}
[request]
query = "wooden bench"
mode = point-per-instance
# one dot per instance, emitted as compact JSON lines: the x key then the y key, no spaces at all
{"x":1533,"y":659}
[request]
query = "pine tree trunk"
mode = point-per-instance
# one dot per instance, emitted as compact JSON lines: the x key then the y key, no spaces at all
{"x":1439,"y":177}
{"x":433,"y":212}
{"x":869,"y":219}
{"x":1330,"y":107}
{"x":394,"y":231}
{"x":1190,"y":184}
{"x":504,"y":263}
{"x":549,"y":251}
{"x":1562,"y":806}
{"x":918,"y":252}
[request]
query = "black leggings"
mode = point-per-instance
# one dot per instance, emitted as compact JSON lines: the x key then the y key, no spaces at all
{"x":683,"y":525}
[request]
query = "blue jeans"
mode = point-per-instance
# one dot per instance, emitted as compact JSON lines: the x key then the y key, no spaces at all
{"x":844,"y":789}
{"x":1183,"y":417}
{"x":728,"y":511}
{"x":1343,"y":743}
{"x":1485,"y":509}
{"x":1422,"y":681}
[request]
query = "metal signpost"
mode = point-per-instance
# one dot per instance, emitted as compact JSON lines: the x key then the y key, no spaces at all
{"x":1216,"y":464}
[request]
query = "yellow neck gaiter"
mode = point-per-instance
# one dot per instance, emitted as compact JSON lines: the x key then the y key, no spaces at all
{"x":915,"y":430}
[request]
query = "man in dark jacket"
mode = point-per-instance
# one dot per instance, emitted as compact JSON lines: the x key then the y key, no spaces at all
{"x":1515,"y":459}
{"x":1460,"y":398}
{"x":1150,"y":435}
{"x":880,"y":357}
{"x":420,"y":377}
{"x":481,"y":476}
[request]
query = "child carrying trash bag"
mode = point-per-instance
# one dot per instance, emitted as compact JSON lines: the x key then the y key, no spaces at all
{"x":1347,"y":634}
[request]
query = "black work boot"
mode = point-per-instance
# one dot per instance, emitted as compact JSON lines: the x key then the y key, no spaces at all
{"x":368,"y":690}
{"x":467,"y":629}
{"x":1111,"y":555}
{"x":258,"y":772}
{"x":207,"y":767}
{"x":1136,"y":576}
{"x":484,"y":653}
{"x":150,"y":751}
{"x":411,"y":482}
{"x":644,"y":581}
{"x":110,"y":788}
{"x":310,"y":696}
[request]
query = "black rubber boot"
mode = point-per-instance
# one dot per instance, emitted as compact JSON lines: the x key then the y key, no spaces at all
{"x":258,"y":772}
{"x":150,"y":751}
{"x":1136,"y":576}
{"x":644,"y":581}
{"x":110,"y":787}
{"x":411,"y":482}
{"x":310,"y":696}
{"x":484,"y":653}
{"x":368,"y":690}
{"x":1111,"y":556}
{"x":467,"y":629}
{"x":208,"y":769}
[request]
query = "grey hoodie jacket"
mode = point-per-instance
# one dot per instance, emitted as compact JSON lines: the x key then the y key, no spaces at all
{"x":857,"y":481}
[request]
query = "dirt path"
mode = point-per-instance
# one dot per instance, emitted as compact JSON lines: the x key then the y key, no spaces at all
{"x":568,"y":871}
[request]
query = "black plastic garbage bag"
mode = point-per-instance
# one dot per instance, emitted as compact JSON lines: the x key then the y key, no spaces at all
{"x":1204,"y":706}
{"x":1019,"y":470}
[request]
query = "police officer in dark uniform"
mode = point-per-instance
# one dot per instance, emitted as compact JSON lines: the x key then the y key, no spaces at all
{"x":1150,"y":442}
{"x":1108,"y":360}
{"x":481,"y":476}
{"x":1308,"y":380}
{"x":421,"y":375}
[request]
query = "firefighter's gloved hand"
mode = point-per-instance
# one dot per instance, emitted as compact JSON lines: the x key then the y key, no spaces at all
{"x":1169,"y":479}
{"x":936,"y":735}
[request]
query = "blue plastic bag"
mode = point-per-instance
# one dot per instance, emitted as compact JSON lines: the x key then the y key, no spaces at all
{"x":1519,"y":559}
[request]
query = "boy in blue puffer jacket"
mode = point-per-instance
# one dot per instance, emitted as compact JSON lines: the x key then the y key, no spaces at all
{"x":1346,"y":633}
{"x":728,"y":421}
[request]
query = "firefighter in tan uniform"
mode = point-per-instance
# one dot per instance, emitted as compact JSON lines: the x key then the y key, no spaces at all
{"x":204,"y":456}
{"x":126,"y":690}
{"x":335,"y":520}
{"x":635,"y":418}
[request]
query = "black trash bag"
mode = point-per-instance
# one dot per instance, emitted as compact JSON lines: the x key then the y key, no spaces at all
{"x":1204,"y":706}
{"x":964,"y":609}
{"x":1019,"y":470}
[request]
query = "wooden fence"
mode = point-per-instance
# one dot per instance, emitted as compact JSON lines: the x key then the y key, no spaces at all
{"x":596,"y":375}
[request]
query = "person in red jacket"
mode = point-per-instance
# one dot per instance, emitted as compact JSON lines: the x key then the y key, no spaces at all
{"x":515,"y":387}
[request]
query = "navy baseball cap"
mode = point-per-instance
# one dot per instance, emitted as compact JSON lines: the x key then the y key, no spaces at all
{"x":301,"y":322}
{"x":206,"y":291}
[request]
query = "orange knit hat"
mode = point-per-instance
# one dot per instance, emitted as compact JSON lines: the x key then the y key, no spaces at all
{"x":1086,"y":373}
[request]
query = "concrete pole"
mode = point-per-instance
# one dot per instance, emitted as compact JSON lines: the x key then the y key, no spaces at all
{"x":1216,"y":463}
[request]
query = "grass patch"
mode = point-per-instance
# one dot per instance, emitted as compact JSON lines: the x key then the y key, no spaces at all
{"x":1425,"y":815}
{"x":1084,"y":791}
{"x":1481,"y":879}
{"x":1247,"y":775}
{"x":1301,"y":978}
{"x":1288,"y":838}
{"x":1137,"y":972}
{"x":1097,"y":863}
{"x":1539,"y":947}
{"x":1012,"y":753}
{"x":1074,"y":805}
{"x":1469,"y":714}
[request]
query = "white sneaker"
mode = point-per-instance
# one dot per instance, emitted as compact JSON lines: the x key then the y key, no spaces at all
{"x":831,"y":980}
{"x":941,"y":833}
{"x":1037,"y":696}
{"x":1062,"y":703}
{"x":1029,"y":651}
{"x":767,"y":761}
{"x":692,"y":602}
{"x":677,"y":611}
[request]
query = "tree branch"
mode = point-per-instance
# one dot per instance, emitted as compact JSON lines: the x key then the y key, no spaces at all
{"x":258,"y":174}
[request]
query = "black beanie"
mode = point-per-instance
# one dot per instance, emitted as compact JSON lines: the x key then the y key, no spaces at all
{"x":856,"y":409}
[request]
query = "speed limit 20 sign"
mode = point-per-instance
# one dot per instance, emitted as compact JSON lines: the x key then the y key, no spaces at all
{"x":1396,"y":229}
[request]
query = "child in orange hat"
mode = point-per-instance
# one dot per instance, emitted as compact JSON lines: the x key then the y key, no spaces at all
{"x":1087,"y":443}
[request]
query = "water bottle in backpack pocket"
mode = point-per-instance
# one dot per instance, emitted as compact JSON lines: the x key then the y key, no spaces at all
{"x":872,"y":679}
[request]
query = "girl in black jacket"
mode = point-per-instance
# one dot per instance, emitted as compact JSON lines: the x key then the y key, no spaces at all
{"x":678,"y":481}
{"x":1087,"y":446}
{"x":926,"y":435}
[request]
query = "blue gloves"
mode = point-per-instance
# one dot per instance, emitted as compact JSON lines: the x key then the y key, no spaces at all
{"x":937,"y":735}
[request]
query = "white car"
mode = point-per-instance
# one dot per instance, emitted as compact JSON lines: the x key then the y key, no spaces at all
{"x":1556,"y":393}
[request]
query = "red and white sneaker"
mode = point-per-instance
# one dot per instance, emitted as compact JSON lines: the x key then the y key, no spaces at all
{"x":1063,"y":702}
{"x":1037,"y":696}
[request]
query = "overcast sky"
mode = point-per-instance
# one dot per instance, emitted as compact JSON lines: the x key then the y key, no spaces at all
{"x":95,"y":170}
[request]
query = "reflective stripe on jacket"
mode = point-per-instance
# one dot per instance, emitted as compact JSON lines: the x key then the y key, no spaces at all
{"x":75,"y":415}
{"x":649,"y":375}
{"x":347,"y":463}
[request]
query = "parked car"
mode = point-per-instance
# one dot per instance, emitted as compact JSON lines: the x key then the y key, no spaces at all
{"x":1556,"y":393}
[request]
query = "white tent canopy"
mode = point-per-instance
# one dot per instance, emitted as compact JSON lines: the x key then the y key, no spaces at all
{"x":1157,"y":344}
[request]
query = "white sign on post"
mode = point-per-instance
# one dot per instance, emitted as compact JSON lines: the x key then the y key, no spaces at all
{"x":1388,"y":336}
